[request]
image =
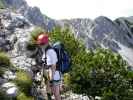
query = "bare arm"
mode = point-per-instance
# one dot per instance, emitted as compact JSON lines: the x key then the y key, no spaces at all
{"x":53,"y":70}
{"x":53,"y":58}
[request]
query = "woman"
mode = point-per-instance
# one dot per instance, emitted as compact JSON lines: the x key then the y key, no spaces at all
{"x":50,"y":59}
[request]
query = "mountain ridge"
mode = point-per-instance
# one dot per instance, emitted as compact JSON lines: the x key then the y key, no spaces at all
{"x":101,"y":31}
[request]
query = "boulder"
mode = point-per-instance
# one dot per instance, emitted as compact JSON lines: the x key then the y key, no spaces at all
{"x":9,"y":75}
{"x":10,"y":89}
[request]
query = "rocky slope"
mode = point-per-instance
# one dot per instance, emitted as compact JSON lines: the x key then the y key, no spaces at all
{"x":15,"y":30}
{"x":14,"y":33}
{"x":33,"y":14}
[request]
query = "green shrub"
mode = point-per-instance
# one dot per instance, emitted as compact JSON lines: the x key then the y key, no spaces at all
{"x":22,"y":96}
{"x":5,"y":60}
{"x":2,"y":6}
{"x":101,"y":73}
{"x":65,"y":35}
{"x":2,"y":71}
{"x":23,"y":81}
{"x":3,"y":95}
{"x":31,"y":46}
{"x":5,"y":63}
{"x":66,"y":87}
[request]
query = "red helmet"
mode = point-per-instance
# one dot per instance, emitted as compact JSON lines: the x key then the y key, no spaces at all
{"x":42,"y":39}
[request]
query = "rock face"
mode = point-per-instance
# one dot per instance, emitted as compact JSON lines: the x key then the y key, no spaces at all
{"x":105,"y":33}
{"x":33,"y":14}
{"x":5,"y":43}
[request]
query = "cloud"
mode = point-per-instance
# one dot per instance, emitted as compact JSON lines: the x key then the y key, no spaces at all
{"x":60,"y":9}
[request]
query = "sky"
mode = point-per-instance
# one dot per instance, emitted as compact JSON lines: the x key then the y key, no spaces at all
{"x":67,"y":9}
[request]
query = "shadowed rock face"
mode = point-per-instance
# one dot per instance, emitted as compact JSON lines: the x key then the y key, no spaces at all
{"x":125,"y":25}
{"x":35,"y":17}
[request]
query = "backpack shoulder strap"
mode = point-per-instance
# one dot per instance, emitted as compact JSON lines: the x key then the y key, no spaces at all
{"x":45,"y":58}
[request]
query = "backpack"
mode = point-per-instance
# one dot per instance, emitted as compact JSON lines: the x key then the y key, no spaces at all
{"x":64,"y":60}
